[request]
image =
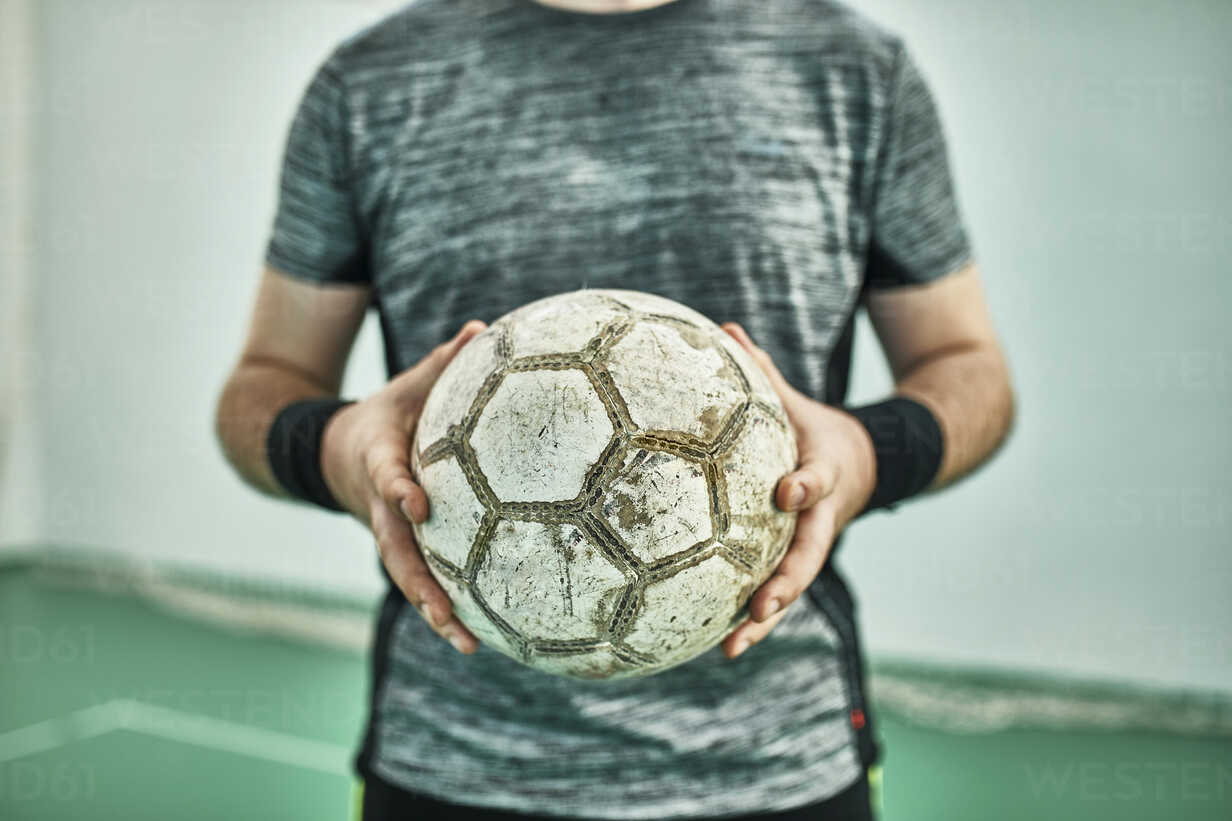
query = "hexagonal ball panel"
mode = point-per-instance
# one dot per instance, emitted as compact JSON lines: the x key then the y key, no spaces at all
{"x":658,"y":503}
{"x":470,"y":613}
{"x":674,"y":380}
{"x":454,"y":512}
{"x":686,"y":613}
{"x":759,"y":384}
{"x":555,"y":325}
{"x":539,"y":434}
{"x":451,"y":396}
{"x":600,"y":663}
{"x":655,"y":304}
{"x":762,"y":454}
{"x":548,"y":581}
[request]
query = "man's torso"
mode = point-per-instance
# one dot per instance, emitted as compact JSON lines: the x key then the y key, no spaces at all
{"x":715,"y":152}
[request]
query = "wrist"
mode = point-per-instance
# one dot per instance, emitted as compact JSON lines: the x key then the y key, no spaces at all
{"x":335,"y":438}
{"x":294,"y":448}
{"x":907,"y":447}
{"x":859,"y":479}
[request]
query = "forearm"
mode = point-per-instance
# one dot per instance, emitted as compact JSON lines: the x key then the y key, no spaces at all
{"x":252,"y":398}
{"x":968,"y":391}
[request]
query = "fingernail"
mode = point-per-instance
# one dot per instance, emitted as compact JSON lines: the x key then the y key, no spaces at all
{"x":741,"y":647}
{"x":773,"y":607}
{"x":428,"y":614}
{"x":406,"y":509}
{"x":796,"y":497}
{"x":455,"y":639}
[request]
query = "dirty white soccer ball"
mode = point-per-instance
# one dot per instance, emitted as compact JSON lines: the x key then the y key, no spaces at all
{"x":601,"y":467}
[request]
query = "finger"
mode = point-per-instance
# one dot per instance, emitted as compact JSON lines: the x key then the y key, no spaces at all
{"x":469,"y":330}
{"x":806,"y":486}
{"x":390,"y":474}
{"x":457,"y":634}
{"x":401,"y":557}
{"x":443,"y":354}
{"x":781,"y":386}
{"x":749,"y":633}
{"x":396,"y":545}
{"x":409,"y":390}
{"x":800,"y":565}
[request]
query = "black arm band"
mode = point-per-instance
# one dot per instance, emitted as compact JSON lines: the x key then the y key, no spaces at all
{"x":908,"y":445}
{"x":294,"y":449}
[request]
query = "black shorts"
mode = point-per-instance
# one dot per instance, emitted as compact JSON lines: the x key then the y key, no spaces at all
{"x":384,"y":802}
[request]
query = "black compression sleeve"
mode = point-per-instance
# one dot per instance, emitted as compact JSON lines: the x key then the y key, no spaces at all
{"x":908,"y":445}
{"x":294,"y":449}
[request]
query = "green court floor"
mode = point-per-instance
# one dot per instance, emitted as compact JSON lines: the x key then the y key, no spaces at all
{"x":115,"y":708}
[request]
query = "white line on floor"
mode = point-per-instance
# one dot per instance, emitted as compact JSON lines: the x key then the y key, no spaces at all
{"x":173,"y":725}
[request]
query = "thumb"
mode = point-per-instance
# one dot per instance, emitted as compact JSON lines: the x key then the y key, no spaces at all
{"x":787,"y":394}
{"x":410,"y":388}
{"x":426,"y":371}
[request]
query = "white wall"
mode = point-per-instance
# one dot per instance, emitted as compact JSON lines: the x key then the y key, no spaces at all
{"x":162,"y":127}
{"x":20,"y":489}
{"x":1089,"y":143}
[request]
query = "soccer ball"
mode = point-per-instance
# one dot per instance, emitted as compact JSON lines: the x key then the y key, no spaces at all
{"x":600,"y":467}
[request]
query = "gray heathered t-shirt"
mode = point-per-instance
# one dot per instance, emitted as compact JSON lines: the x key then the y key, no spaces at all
{"x":763,"y":162}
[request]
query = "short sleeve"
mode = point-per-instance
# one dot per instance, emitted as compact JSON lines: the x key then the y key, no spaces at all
{"x":316,"y":234}
{"x":917,"y":233}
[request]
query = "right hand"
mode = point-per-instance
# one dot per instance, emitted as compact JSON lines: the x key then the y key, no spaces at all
{"x":365,"y":450}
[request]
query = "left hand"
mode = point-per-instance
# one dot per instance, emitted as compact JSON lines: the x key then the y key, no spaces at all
{"x":831,"y":484}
